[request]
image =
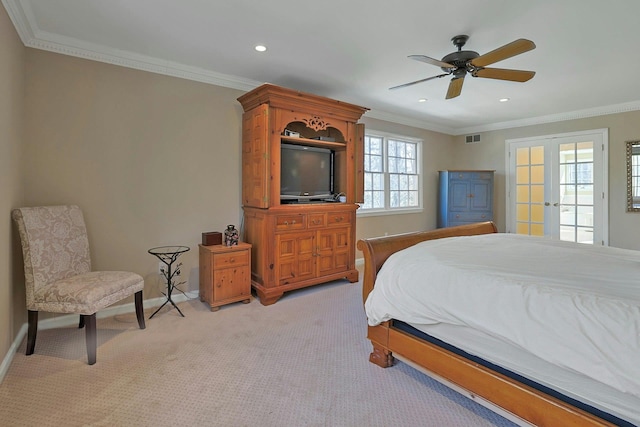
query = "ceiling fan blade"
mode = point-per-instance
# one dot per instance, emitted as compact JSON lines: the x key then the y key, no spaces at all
{"x":418,"y":81}
{"x":455,"y":87}
{"x":507,"y":51}
{"x":423,"y":58}
{"x":503,"y":74}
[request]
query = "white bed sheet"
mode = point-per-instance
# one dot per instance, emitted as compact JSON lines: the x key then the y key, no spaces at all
{"x":571,"y":305}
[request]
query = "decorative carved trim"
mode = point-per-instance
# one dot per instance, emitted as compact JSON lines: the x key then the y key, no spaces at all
{"x":316,"y":123}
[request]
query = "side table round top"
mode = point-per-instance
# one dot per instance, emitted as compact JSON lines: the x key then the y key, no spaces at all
{"x":168,"y":250}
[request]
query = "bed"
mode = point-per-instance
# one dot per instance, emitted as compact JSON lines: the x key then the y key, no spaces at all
{"x":525,"y":367}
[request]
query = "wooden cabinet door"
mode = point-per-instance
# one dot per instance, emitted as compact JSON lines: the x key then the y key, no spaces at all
{"x":255,"y":161}
{"x":231,"y":283}
{"x":481,"y":199}
{"x":295,"y":257}
{"x":333,"y":250}
{"x":459,"y":194}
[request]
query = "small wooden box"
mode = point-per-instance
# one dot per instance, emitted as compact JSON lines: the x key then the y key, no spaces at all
{"x":211,"y":238}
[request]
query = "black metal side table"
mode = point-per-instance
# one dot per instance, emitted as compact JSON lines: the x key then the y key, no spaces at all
{"x":169,"y":255}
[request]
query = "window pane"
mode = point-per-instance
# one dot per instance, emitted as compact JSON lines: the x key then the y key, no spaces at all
{"x":375,"y":164}
{"x":377,"y":182}
{"x":392,"y":163}
{"x":537,"y":155}
{"x":413,"y":182}
{"x":393,"y":182}
{"x":392,"y":148}
{"x":378,"y":199}
{"x":522,"y":158}
{"x":522,"y":175}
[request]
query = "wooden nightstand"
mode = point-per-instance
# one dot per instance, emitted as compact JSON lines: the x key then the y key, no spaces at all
{"x":225,"y":274}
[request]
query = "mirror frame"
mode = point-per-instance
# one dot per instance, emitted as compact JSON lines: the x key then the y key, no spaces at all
{"x":630,"y":207}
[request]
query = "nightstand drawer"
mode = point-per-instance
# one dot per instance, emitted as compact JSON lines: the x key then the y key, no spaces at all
{"x":230,"y":259}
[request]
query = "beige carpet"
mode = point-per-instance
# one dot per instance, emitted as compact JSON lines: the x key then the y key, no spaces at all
{"x":300,"y":362}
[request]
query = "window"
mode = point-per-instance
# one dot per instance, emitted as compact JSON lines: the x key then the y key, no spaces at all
{"x":391,"y":173}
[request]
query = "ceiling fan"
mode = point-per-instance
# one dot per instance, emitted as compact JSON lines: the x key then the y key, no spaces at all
{"x":462,"y":62}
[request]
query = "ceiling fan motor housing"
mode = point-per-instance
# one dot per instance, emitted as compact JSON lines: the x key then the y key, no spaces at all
{"x":459,"y":59}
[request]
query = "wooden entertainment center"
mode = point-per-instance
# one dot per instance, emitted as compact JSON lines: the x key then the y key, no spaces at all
{"x":306,"y":242}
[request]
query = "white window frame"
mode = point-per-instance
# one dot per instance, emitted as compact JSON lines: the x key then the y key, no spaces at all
{"x":387,"y":210}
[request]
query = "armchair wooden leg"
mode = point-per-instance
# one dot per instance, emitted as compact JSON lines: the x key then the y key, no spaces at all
{"x":139,"y":309}
{"x":91,"y":337}
{"x":32,"y":331}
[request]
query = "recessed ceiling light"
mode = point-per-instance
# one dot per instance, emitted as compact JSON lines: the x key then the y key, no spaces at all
{"x":260,"y":48}
{"x":504,"y":99}
{"x":422,"y":100}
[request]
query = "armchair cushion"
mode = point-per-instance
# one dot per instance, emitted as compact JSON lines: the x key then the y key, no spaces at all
{"x":87,"y":293}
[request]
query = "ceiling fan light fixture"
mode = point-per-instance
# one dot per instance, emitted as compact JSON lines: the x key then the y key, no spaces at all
{"x":422,"y":100}
{"x":260,"y":48}
{"x":504,"y":99}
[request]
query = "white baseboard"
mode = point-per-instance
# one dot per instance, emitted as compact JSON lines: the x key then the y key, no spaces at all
{"x":72,"y":319}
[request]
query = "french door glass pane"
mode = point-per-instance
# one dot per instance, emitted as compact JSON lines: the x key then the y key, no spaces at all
{"x":576,"y":191}
{"x":530,"y":190}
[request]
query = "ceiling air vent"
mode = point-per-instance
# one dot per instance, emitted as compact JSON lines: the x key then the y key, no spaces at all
{"x":471,"y":139}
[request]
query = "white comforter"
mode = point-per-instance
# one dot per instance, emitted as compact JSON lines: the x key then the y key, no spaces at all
{"x":576,"y":306}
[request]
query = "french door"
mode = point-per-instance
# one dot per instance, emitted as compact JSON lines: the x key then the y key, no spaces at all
{"x":556,"y":186}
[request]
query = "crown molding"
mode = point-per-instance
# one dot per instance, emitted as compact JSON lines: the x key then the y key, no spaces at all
{"x":73,"y":47}
{"x":560,"y":117}
{"x":22,"y":17}
{"x":18,"y":12}
{"x":408,"y":121}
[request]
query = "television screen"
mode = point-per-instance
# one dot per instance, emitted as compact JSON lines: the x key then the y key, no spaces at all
{"x":305,"y":172}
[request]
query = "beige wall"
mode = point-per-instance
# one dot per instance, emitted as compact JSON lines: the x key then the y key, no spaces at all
{"x":151,"y":160}
{"x":11,"y":104}
{"x":624,"y":228}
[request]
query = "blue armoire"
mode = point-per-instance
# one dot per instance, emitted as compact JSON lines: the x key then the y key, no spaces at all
{"x":465,"y":197}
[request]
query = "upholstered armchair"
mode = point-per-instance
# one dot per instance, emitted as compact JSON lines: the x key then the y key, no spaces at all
{"x":58,"y":275}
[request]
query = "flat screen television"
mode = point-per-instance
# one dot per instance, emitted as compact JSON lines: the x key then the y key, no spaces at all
{"x":306,"y":173}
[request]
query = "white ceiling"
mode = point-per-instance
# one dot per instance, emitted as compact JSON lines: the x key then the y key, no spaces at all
{"x":586,"y":58}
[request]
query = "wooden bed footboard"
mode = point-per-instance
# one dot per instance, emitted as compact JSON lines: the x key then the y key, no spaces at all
{"x":521,"y":400}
